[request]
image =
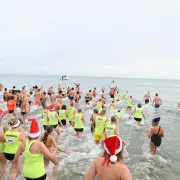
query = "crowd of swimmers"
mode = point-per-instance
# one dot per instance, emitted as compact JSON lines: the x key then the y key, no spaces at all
{"x":41,"y":148}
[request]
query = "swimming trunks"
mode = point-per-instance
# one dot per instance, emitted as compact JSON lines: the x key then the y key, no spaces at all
{"x":146,"y":101}
{"x":78,"y":129}
{"x":112,"y":96}
{"x":87,"y":101}
{"x":23,"y":113}
{"x":45,"y":127}
{"x":11,"y":111}
{"x":40,"y":178}
{"x":157,"y":105}
{"x":156,"y":138}
{"x":9,"y":156}
{"x":71,"y":97}
{"x":55,"y":126}
{"x":138,"y":119}
{"x":63,"y":122}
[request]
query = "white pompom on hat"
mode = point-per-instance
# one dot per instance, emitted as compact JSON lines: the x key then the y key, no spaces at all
{"x":113,"y":145}
{"x":34,"y":129}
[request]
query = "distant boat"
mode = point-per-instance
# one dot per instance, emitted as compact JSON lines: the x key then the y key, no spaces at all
{"x":64,"y":77}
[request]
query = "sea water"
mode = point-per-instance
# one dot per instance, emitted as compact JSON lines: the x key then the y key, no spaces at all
{"x":142,"y":165}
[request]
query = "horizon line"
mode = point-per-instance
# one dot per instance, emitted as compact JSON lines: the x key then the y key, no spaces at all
{"x":95,"y":76}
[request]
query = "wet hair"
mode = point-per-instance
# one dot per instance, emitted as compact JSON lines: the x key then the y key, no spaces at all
{"x":103,"y":112}
{"x":31,"y":93}
{"x":156,"y":120}
{"x":72,"y":89}
{"x":49,"y":129}
{"x":156,"y":94}
{"x":89,"y":90}
{"x":12,"y":97}
{"x":63,"y":107}
{"x":18,"y":91}
{"x":119,"y":110}
{"x":77,"y":92}
{"x":120,"y":155}
{"x":96,"y":111}
{"x":14,"y":86}
{"x":113,"y":119}
{"x":79,"y":110}
{"x":139,"y":106}
{"x":5,"y":89}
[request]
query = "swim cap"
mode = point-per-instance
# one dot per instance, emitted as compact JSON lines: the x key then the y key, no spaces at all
{"x":156,"y":120}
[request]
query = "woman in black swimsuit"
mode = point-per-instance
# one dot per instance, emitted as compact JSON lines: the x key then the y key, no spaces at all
{"x":156,"y":134}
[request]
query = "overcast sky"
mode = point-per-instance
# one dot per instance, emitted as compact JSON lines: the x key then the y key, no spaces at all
{"x":123,"y":38}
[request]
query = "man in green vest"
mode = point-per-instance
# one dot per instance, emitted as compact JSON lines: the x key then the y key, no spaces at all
{"x":78,"y":123}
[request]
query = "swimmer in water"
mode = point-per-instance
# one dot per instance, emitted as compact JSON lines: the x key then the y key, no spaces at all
{"x":49,"y":141}
{"x":112,"y":107}
{"x":147,"y":98}
{"x":112,"y":128}
{"x":99,"y":124}
{"x":126,"y":96}
{"x":34,"y":153}
{"x":119,"y":114}
{"x":155,"y":134}
{"x":138,"y":114}
{"x":71,"y":112}
{"x":93,"y":117}
{"x":117,"y":96}
{"x":109,"y":165}
{"x":129,"y":103}
{"x":45,"y":117}
{"x":63,"y":114}
{"x":157,"y":101}
{"x":78,"y":123}
{"x":12,"y":140}
{"x":53,"y":119}
{"x":11,"y":104}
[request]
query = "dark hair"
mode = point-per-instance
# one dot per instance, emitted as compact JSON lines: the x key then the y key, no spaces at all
{"x":77,"y":92}
{"x":119,"y":110}
{"x":96,"y":111}
{"x":72,"y":89}
{"x":113,"y":118}
{"x":49,"y":129}
{"x":79,"y":110}
{"x":12,"y":97}
{"x":5,"y":89}
{"x":139,"y":106}
{"x":44,"y":93}
{"x":156,"y":94}
{"x":14,"y":86}
{"x":63,"y":107}
{"x":89,"y":90}
{"x":31,"y":93}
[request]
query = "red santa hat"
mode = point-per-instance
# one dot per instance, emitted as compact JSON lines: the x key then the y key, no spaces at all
{"x":51,"y":107}
{"x":34,"y":129}
{"x":113,"y":145}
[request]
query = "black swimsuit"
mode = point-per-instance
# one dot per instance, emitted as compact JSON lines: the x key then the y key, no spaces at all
{"x":157,"y":138}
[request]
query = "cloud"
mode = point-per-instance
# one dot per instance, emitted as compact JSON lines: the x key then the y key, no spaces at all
{"x":98,"y":38}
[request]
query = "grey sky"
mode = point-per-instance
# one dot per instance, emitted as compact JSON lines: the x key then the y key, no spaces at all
{"x":133,"y":38}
